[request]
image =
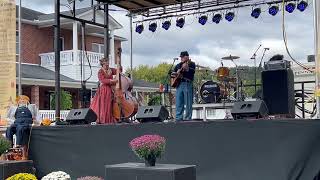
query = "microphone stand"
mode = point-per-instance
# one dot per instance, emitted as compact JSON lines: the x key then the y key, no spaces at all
{"x":169,"y":88}
{"x":264,"y":52}
{"x":255,"y":68}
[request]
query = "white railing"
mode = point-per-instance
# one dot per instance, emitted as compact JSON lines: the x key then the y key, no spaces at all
{"x":71,"y":57}
{"x":51,"y":114}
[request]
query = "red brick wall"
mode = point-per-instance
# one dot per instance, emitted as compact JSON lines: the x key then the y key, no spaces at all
{"x":40,"y":40}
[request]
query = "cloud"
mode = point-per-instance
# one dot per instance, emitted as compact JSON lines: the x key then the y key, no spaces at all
{"x":208,"y":43}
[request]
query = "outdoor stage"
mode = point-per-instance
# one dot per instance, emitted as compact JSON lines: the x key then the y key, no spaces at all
{"x":221,"y":150}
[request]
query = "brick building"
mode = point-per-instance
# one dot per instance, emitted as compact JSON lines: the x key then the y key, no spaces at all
{"x":37,"y":55}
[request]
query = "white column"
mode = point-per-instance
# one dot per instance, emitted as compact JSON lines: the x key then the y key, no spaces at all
{"x":75,"y":42}
{"x":112,"y":56}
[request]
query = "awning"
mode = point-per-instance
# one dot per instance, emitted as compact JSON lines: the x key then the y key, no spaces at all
{"x":161,"y":7}
{"x":133,"y":5}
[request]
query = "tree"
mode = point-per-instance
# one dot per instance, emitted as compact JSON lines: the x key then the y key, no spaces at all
{"x":155,"y":74}
{"x":66,"y":100}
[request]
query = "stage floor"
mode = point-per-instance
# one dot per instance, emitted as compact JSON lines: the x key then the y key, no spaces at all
{"x":221,"y":150}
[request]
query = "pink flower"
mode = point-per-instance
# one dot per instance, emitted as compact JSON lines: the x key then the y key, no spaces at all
{"x":147,"y":145}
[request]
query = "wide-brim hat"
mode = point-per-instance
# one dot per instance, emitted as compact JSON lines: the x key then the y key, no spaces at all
{"x":22,"y":97}
{"x":184,"y":53}
{"x":103,"y":60}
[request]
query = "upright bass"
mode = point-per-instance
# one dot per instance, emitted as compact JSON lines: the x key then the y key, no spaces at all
{"x":124,"y":105}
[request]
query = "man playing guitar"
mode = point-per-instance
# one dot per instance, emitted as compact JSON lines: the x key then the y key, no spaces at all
{"x":184,"y":89}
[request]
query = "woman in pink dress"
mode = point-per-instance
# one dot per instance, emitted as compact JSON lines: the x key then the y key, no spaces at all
{"x":102,"y":102}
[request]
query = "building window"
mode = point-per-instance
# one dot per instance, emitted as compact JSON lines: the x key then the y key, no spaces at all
{"x":62,"y":43}
{"x":98,"y":48}
{"x":17,"y":45}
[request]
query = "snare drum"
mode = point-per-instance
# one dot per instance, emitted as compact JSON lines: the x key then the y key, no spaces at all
{"x":223,"y":73}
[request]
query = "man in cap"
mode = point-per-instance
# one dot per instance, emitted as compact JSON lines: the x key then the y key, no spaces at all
{"x":184,"y":91}
{"x":21,"y":117}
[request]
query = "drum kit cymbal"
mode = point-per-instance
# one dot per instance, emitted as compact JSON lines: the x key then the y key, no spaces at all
{"x":228,"y":88}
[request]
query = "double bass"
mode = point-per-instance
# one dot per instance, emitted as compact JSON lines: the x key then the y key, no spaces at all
{"x":124,"y":105}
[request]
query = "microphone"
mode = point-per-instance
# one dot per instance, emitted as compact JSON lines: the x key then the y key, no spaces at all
{"x":175,"y":59}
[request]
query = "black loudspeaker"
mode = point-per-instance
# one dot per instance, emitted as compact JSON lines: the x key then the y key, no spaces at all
{"x":278,"y":92}
{"x":81,"y":116}
{"x":249,"y":109}
{"x":152,"y":114}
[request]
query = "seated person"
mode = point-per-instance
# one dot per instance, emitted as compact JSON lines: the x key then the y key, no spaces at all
{"x":21,"y":117}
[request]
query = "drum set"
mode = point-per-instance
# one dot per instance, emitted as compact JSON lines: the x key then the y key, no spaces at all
{"x":227,"y":88}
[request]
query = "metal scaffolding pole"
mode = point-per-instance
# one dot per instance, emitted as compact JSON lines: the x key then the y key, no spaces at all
{"x":131,"y":47}
{"x":19,"y":66}
{"x":316,"y":5}
{"x":57,"y":49}
{"x":106,"y":32}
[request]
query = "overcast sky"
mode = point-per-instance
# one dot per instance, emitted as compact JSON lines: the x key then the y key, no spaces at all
{"x":207,"y":44}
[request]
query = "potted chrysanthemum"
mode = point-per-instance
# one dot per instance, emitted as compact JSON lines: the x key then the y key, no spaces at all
{"x":58,"y":175}
{"x":148,"y":148}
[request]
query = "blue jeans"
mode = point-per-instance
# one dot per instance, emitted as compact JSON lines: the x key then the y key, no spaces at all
{"x":184,"y":97}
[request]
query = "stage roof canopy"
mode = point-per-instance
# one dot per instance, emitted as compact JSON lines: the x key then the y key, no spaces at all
{"x":142,"y":6}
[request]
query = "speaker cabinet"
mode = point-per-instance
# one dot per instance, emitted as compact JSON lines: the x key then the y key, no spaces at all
{"x":249,"y":109}
{"x":81,"y":116}
{"x":152,"y":114}
{"x":278,"y":92}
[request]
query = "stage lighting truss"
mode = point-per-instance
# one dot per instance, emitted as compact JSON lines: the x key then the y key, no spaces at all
{"x":153,"y":26}
{"x":273,"y":10}
{"x":229,"y":16}
{"x":180,"y":22}
{"x":256,"y":12}
{"x":203,"y":19}
{"x":290,"y":7}
{"x":139,"y":28}
{"x":166,"y":24}
{"x":302,"y":5}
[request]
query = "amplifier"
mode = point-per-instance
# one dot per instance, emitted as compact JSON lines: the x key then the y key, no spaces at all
{"x":277,"y":65}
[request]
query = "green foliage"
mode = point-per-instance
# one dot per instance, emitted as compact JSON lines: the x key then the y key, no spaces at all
{"x":4,"y":145}
{"x":154,"y":100}
{"x":66,"y":100}
{"x":22,"y":176}
{"x":156,"y":74}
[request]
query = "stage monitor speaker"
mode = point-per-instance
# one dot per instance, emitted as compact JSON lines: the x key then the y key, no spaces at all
{"x":152,"y":114}
{"x":278,"y":92}
{"x":81,"y":116}
{"x":249,"y":109}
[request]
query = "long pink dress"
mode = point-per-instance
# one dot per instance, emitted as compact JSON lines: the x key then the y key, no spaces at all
{"x":102,"y":101}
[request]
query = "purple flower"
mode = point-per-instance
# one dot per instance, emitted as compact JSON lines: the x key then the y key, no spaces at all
{"x":147,"y":145}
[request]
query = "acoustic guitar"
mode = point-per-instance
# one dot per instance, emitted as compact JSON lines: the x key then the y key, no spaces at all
{"x":176,"y":79}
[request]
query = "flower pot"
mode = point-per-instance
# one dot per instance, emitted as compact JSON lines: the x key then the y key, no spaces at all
{"x":150,"y":161}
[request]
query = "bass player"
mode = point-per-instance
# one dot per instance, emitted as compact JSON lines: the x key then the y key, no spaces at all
{"x":184,"y":89}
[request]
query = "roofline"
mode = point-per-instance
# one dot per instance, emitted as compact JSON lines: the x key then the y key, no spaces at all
{"x":46,"y":23}
{"x":75,"y":84}
{"x":116,"y":37}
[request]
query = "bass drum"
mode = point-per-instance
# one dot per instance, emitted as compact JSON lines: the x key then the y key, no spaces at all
{"x":210,"y":92}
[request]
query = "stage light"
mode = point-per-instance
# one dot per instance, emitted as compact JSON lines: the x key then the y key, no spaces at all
{"x":273,"y":10}
{"x":217,"y":18}
{"x":166,"y":25}
{"x":180,"y":22}
{"x":256,"y":12}
{"x":203,"y":19}
{"x":290,"y":7}
{"x":139,"y":28}
{"x":229,"y":16}
{"x":153,"y":27}
{"x":302,"y":5}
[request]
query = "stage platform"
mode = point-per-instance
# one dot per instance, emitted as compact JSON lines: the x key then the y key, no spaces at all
{"x":221,"y":150}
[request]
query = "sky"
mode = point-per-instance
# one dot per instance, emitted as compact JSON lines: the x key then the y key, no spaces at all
{"x":209,"y":43}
